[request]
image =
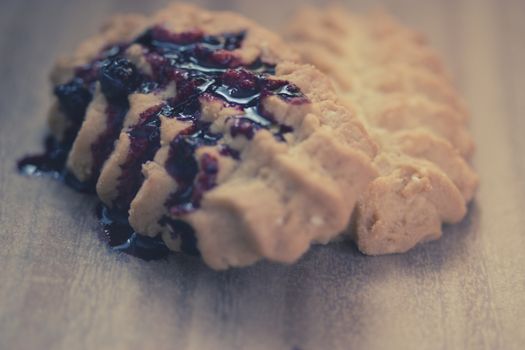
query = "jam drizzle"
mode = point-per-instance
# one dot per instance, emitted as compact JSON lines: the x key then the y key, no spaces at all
{"x":202,"y":66}
{"x":119,"y":235}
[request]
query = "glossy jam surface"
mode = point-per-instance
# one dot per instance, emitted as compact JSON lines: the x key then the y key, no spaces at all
{"x":195,"y":63}
{"x":203,"y":68}
{"x":237,"y":88}
{"x":52,"y":163}
{"x":119,"y":235}
{"x":144,"y":143}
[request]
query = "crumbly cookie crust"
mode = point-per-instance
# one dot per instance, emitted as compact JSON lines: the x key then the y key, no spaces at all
{"x":399,"y":88}
{"x":274,"y":192}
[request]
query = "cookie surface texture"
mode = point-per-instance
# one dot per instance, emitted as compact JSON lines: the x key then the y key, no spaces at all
{"x":397,"y":86}
{"x":204,"y":129}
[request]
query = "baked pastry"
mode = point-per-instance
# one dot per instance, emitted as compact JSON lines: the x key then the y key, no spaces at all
{"x":203,"y":129}
{"x":398,"y":87}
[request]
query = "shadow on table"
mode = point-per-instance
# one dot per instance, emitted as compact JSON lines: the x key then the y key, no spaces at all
{"x":333,"y":289}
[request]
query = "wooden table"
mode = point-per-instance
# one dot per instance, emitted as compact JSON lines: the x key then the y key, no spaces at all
{"x":61,"y":288}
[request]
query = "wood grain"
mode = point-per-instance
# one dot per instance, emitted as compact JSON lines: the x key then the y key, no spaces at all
{"x":61,"y":288}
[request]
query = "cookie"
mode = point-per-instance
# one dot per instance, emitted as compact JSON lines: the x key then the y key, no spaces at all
{"x":398,"y":87}
{"x":203,"y":129}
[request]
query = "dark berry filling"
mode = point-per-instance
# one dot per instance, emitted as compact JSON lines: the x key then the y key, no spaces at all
{"x":193,"y":179}
{"x":89,"y":72}
{"x":51,"y":162}
{"x":190,"y":50}
{"x":245,"y":127}
{"x":104,"y":144}
{"x":118,"y":78}
{"x":237,"y":88}
{"x":183,"y":231}
{"x":167,"y":54}
{"x":119,"y":235}
{"x":144,"y":143}
{"x":227,"y":151}
{"x":74,"y":97}
{"x":202,"y":67}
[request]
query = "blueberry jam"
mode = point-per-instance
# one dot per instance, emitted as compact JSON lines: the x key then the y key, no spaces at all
{"x":183,"y":231}
{"x":238,"y":88}
{"x":118,"y":78}
{"x":192,"y":182}
{"x":119,"y":235}
{"x":144,"y":143}
{"x":203,"y":68}
{"x":74,"y":97}
{"x":51,"y":163}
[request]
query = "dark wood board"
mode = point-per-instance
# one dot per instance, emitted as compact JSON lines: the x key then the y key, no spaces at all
{"x":61,"y":288}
